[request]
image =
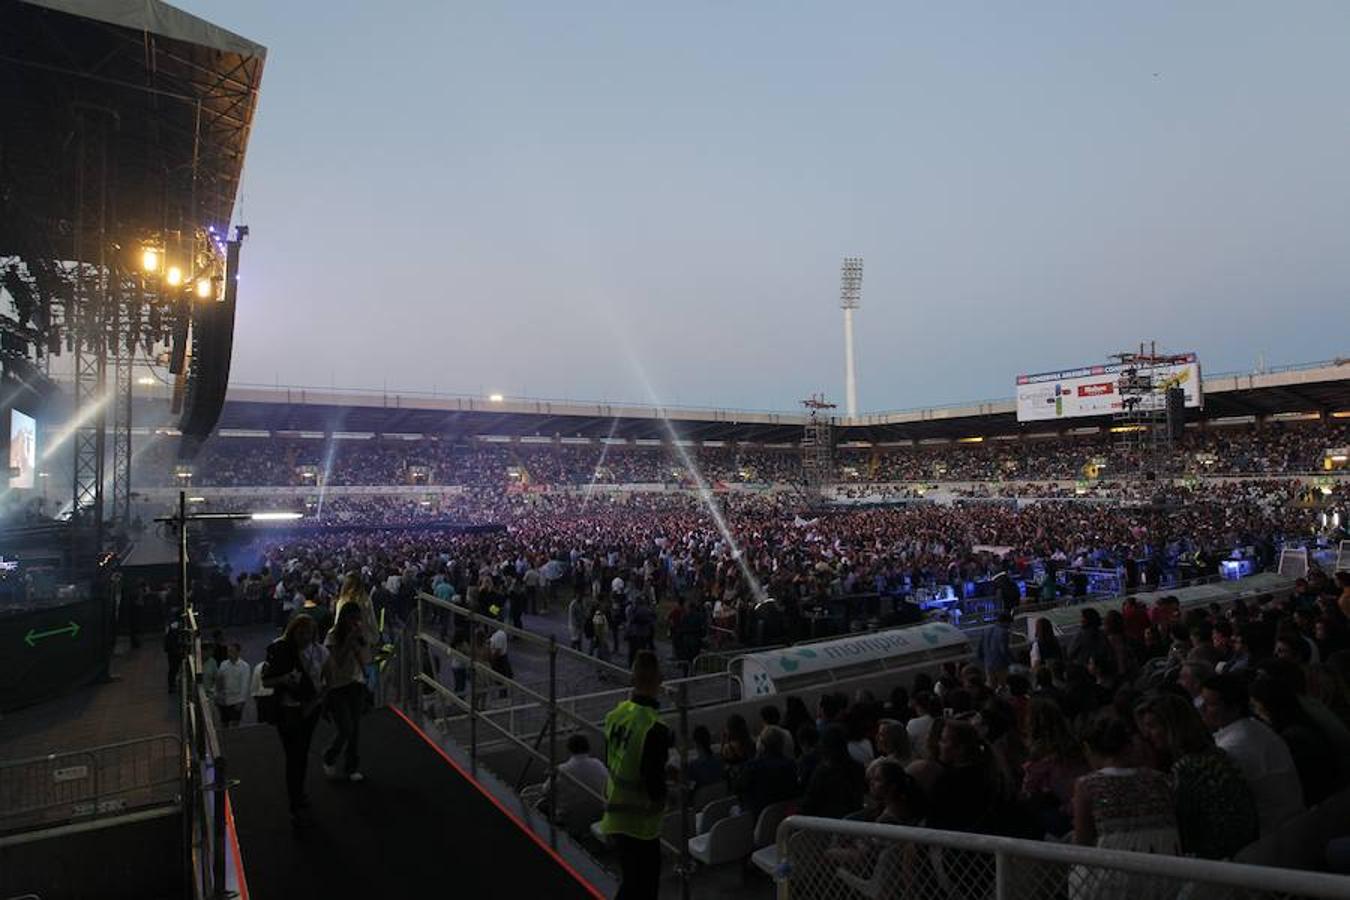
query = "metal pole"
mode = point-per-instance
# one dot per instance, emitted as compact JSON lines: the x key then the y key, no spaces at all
{"x":187,"y":759}
{"x":473,"y":698}
{"x":553,"y":741}
{"x":218,"y":826}
{"x":1000,"y":875}
{"x":183,"y":552}
{"x":850,"y":373}
{"x":686,"y":864}
{"x":418,"y":668}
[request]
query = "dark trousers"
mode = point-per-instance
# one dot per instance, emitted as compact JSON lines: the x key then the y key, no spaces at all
{"x":346,"y":704}
{"x":640,"y":865}
{"x":297,"y":732}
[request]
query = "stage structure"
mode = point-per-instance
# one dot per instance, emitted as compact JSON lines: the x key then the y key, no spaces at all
{"x":120,"y":160}
{"x":850,"y":299}
{"x":1151,"y":414}
{"x":818,"y":445}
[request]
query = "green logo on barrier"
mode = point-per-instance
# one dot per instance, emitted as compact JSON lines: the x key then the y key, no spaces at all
{"x":789,"y":664}
{"x":34,"y":636}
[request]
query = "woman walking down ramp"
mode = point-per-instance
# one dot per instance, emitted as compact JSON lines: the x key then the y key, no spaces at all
{"x":348,"y":654}
{"x":295,"y":666}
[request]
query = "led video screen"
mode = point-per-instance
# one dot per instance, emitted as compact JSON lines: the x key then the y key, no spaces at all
{"x":22,"y":450}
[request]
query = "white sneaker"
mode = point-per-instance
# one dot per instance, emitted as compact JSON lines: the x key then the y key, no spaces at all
{"x":356,"y":776}
{"x":330,"y":771}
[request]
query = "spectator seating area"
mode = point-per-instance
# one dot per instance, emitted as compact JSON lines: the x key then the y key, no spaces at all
{"x":1226,"y":724}
{"x":1273,"y":449}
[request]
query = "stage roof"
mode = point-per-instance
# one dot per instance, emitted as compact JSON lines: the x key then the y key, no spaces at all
{"x":173,"y":95}
{"x":1316,"y":387}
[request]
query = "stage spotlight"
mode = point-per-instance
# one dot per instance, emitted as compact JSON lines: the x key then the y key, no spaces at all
{"x":495,"y":398}
{"x":174,"y":276}
{"x":150,"y":260}
{"x":204,"y":288}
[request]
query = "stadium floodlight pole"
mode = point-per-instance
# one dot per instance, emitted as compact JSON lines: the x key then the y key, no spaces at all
{"x":850,"y":298}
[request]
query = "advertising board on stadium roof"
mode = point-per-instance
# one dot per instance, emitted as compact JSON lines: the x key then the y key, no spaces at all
{"x":1095,"y":390}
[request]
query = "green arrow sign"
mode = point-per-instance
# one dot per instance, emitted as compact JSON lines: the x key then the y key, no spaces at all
{"x":34,"y":636}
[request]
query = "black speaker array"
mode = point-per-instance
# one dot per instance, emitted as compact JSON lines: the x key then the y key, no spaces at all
{"x":1176,"y":412}
{"x":212,"y":346}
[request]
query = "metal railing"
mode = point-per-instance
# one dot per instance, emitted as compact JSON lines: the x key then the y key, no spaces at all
{"x":61,"y":788}
{"x":491,"y":710}
{"x":823,"y":859}
{"x":203,"y":773}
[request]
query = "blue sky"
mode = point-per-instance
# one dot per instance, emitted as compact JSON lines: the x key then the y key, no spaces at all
{"x":633,"y":200}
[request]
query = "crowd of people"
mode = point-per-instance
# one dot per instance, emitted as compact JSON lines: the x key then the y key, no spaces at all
{"x":1274,"y":449}
{"x":1145,"y":715}
{"x":704,"y":575}
{"x":1149,"y":731}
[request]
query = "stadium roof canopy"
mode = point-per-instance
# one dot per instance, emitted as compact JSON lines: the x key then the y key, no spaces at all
{"x":160,"y":101}
{"x":1315,"y":388}
{"x":1321,"y":387}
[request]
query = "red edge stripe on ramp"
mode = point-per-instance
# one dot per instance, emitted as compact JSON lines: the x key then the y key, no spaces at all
{"x":515,"y":819}
{"x":240,"y":881}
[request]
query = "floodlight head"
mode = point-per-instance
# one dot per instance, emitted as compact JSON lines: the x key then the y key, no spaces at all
{"x":850,"y":282}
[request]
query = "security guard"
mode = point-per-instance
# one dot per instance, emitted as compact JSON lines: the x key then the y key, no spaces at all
{"x":637,"y":743}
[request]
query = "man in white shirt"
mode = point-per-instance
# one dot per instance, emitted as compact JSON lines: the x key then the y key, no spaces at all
{"x":498,"y":659}
{"x":1259,"y":752}
{"x":579,"y":806}
{"x":919,"y":726}
{"x":233,"y":681}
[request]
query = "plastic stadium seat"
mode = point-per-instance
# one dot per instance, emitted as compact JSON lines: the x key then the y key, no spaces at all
{"x":766,"y":860}
{"x":766,"y":829}
{"x":713,"y":812}
{"x":728,"y":840}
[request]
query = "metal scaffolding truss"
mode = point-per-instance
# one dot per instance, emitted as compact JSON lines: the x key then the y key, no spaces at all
{"x":818,"y":445}
{"x":125,"y":129}
{"x":1143,"y":437}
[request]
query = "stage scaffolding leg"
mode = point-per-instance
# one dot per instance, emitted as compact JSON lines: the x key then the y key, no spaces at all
{"x":123,"y":355}
{"x":91,"y":351}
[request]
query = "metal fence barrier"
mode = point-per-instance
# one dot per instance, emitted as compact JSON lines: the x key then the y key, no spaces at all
{"x":203,"y":772}
{"x":823,"y":859}
{"x":491,"y":708}
{"x":62,"y":788}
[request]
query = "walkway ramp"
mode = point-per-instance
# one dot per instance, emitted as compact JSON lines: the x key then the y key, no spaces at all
{"x":416,"y":827}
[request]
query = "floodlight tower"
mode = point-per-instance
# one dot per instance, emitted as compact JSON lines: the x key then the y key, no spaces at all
{"x":850,"y":298}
